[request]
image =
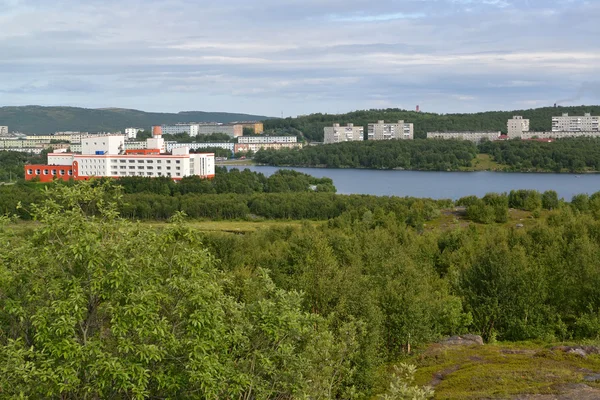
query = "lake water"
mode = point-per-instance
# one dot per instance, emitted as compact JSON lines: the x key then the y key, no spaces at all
{"x":445,"y":185}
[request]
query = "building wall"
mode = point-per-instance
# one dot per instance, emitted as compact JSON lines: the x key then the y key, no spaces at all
{"x":267,"y":139}
{"x":559,"y":135}
{"x":112,"y":145}
{"x":566,"y":123}
{"x":339,"y":134}
{"x":244,"y":147}
{"x":131,"y":133}
{"x":516,"y":126}
{"x":257,"y":126}
{"x":46,"y":173}
{"x":383,"y":131}
{"x":195,"y":146}
{"x":231,"y":130}
{"x":472,"y":136}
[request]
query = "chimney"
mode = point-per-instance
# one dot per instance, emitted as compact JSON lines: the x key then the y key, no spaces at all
{"x":157,"y":131}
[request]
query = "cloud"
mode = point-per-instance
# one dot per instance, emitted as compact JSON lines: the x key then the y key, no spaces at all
{"x":299,"y":55}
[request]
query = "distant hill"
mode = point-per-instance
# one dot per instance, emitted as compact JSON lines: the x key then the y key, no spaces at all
{"x":44,"y":120}
{"x":541,"y":120}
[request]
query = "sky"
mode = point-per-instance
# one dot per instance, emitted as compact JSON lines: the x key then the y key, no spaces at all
{"x":293,"y":57}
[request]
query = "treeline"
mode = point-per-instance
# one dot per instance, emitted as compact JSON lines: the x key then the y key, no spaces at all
{"x":573,"y":155}
{"x":428,"y":155}
{"x":312,"y":125}
{"x":12,"y":164}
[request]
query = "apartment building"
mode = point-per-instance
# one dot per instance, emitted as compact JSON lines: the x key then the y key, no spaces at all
{"x":382,"y":131}
{"x":106,"y":156}
{"x":190,"y":129}
{"x":3,"y":130}
{"x":338,"y":134}
{"x":475,"y":137}
{"x":244,"y":147}
{"x":258,"y":127}
{"x":233,"y":130}
{"x":197,"y":146}
{"x":131,"y":133}
{"x":267,"y":139}
{"x":559,"y":134}
{"x":516,"y":126}
{"x":566,"y":123}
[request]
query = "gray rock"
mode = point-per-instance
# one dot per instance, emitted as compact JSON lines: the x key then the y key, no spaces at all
{"x":463,"y":340}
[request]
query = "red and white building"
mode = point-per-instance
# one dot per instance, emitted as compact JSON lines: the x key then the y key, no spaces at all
{"x":106,"y":156}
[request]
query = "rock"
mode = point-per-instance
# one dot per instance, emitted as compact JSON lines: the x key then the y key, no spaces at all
{"x":520,"y":225}
{"x":592,"y":378}
{"x":463,"y":340}
{"x":582,"y":351}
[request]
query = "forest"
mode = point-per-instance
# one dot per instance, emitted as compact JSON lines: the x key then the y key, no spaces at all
{"x":312,"y":125}
{"x":93,"y":305}
{"x":429,"y":155}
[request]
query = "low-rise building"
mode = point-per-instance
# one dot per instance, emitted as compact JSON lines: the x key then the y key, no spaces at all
{"x":566,"y":123}
{"x":107,"y":156}
{"x":389,"y":131}
{"x":267,"y":139}
{"x":475,"y":137}
{"x":339,"y":134}
{"x":244,"y":147}
{"x":198,"y":146}
{"x":559,"y":134}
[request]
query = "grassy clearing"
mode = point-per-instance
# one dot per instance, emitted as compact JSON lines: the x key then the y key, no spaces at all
{"x":484,"y":162}
{"x":502,"y":370}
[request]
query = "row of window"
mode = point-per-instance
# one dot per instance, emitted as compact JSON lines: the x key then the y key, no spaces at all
{"x":114,"y":167}
{"x":50,"y":172}
{"x":123,"y":173}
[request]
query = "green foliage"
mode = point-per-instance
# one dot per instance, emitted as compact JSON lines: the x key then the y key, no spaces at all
{"x":529,"y":200}
{"x":550,"y":200}
{"x":402,"y":386}
{"x":431,"y":155}
{"x":95,"y":307}
{"x":572,"y":155}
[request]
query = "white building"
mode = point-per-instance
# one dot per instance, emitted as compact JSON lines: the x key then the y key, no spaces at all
{"x":383,"y":131}
{"x":475,"y":137}
{"x":3,"y":130}
{"x":106,"y":156}
{"x":516,"y":126}
{"x":338,"y":134}
{"x":267,"y":139}
{"x":131,"y":133}
{"x":197,"y":146}
{"x":565,"y":123}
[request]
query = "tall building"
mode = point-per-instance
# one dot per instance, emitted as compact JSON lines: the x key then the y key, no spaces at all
{"x":516,"y":126}
{"x":348,"y":133}
{"x":565,"y":123}
{"x":383,"y":131}
{"x":3,"y":130}
{"x":106,"y":156}
{"x":131,"y":133}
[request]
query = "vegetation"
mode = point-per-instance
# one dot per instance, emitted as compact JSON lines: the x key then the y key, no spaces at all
{"x":431,"y":155}
{"x":572,"y":155}
{"x":45,"y":120}
{"x":312,"y":125}
{"x":94,"y":306}
{"x":12,"y":164}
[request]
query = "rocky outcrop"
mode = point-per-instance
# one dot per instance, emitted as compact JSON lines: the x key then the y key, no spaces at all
{"x":463,"y":340}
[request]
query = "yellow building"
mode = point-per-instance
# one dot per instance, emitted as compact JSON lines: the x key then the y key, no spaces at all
{"x":257,"y":126}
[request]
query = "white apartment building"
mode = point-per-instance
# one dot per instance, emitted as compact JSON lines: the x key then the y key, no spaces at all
{"x":267,"y":139}
{"x":131,"y":133}
{"x":565,"y":123}
{"x":383,"y":131}
{"x":338,"y":134}
{"x":3,"y":130}
{"x":244,"y":147}
{"x":560,"y":134}
{"x":475,"y":137}
{"x":516,"y":126}
{"x":197,"y":146}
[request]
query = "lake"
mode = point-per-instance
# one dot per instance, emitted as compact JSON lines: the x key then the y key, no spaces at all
{"x":445,"y":185}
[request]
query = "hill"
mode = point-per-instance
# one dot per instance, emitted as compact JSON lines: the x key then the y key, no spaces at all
{"x":44,"y":120}
{"x":541,"y":120}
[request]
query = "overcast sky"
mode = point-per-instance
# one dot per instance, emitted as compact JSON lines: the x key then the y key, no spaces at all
{"x":300,"y":56}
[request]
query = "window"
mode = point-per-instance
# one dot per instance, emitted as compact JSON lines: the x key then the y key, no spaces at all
{"x":168,"y":168}
{"x":131,"y":161}
{"x":123,"y":161}
{"x":122,"y":167}
{"x":149,"y":173}
{"x":158,"y":161}
{"x":158,"y":168}
{"x":141,"y":167}
{"x":45,"y":172}
{"x":178,"y":168}
{"x":38,"y":171}
{"x":178,"y":174}
{"x":178,"y":162}
{"x":29,"y":172}
{"x":62,"y":172}
{"x":150,"y":167}
{"x":70,"y":172}
{"x":168,"y":161}
{"x":131,"y":167}
{"x":141,"y":161}
{"x":150,"y":161}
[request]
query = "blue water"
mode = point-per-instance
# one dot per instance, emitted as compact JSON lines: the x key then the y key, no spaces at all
{"x":446,"y":185}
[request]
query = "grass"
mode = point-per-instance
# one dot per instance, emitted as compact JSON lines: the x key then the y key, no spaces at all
{"x":500,"y":370}
{"x":484,"y":162}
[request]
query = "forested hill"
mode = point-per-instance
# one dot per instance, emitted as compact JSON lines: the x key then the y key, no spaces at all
{"x":541,"y":120}
{"x":44,"y":120}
